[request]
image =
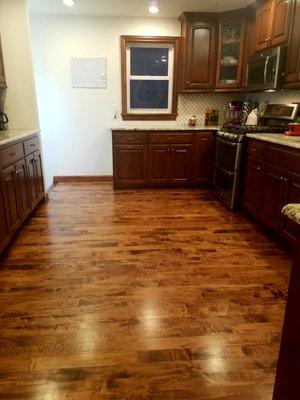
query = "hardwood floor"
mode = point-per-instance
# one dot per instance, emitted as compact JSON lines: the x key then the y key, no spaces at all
{"x":150,"y":294}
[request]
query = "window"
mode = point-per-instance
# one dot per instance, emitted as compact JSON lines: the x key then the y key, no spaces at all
{"x":149,"y":77}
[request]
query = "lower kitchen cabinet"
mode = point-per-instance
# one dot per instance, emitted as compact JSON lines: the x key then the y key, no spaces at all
{"x":162,"y":158}
{"x":271,"y":180}
{"x":159,"y":164}
{"x":252,"y":184}
{"x":204,"y":157}
{"x":22,"y":185}
{"x":130,"y":165}
{"x":272,"y":196}
{"x":10,"y":196}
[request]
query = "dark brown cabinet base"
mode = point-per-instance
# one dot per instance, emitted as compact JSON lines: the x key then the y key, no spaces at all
{"x":271,"y":180}
{"x":22,"y":185}
{"x":163,"y":158}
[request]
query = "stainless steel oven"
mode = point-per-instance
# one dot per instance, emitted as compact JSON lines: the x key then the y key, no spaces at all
{"x":228,"y":157}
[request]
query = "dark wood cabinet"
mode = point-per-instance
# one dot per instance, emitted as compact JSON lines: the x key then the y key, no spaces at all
{"x":159,"y":164}
{"x":232,"y":29}
{"x":292,"y":195}
{"x":181,"y":164}
{"x":4,"y":237}
{"x":130,"y":164}
{"x":199,"y":51}
{"x":272,"y":23}
{"x":272,"y":196}
{"x":166,"y":158}
{"x":22,"y":185}
{"x":281,"y":15}
{"x":2,"y":71}
{"x":292,"y":68}
{"x":10,"y":196}
{"x":252,"y":185}
{"x":23,"y":195}
{"x":271,"y":179}
{"x":250,"y":39}
{"x":204,"y":157}
{"x":264,"y":25}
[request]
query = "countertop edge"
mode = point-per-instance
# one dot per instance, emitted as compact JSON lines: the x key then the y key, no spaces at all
{"x":292,"y":211}
{"x":166,"y":129}
{"x":16,"y":135}
{"x":280,"y":139}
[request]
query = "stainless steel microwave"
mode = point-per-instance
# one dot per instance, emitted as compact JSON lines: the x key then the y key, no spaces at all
{"x":266,"y":69}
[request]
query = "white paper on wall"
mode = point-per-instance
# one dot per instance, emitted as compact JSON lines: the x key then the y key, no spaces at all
{"x":89,"y":72}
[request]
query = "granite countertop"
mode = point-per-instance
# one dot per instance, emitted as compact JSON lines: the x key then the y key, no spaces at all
{"x":162,"y":127}
{"x":11,"y":135}
{"x":277,"y":138}
{"x":292,"y":211}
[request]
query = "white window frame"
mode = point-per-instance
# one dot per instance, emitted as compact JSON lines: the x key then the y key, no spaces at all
{"x":169,"y":78}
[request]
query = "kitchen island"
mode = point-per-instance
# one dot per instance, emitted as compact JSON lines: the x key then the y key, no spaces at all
{"x":288,"y":371}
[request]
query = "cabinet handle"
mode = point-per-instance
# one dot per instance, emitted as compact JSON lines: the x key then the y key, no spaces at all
{"x":128,"y":147}
{"x":130,"y":138}
{"x":205,"y":139}
{"x":32,"y":145}
{"x":258,"y":168}
{"x":170,"y":138}
{"x":18,"y":172}
{"x":12,"y":154}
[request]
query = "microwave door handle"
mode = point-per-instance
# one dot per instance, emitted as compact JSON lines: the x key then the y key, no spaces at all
{"x":266,"y":69}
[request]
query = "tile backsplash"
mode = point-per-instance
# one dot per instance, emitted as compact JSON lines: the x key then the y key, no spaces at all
{"x":195,"y":104}
{"x":281,"y":97}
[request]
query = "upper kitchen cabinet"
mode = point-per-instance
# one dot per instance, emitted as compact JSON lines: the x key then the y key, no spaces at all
{"x":272,"y":23}
{"x":2,"y":73}
{"x":199,"y":51}
{"x":292,"y":69}
{"x":232,"y":29}
{"x":250,"y":39}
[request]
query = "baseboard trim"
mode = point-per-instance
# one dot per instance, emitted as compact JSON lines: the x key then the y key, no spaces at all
{"x":83,"y":178}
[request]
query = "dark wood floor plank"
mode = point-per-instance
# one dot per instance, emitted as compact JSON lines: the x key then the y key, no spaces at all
{"x":140,"y":295}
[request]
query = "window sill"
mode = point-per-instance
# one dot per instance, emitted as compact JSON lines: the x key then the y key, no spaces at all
{"x":149,"y":117}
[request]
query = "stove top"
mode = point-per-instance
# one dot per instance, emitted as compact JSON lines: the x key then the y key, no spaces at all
{"x":244,"y":129}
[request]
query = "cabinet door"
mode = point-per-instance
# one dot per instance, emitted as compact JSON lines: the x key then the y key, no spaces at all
{"x":130,"y":165}
{"x":231,"y":48}
{"x":289,"y":228}
{"x":264,"y":25}
{"x":31,"y":179}
{"x":21,"y":181}
{"x":274,"y":184}
{"x":3,"y":225}
{"x":159,"y":164}
{"x":280,"y":21}
{"x":39,"y":174}
{"x":250,"y":41}
{"x":2,"y":73}
{"x":201,"y":54}
{"x":204,"y":156}
{"x":181,"y":164}
{"x":292,"y":67}
{"x":252,"y":191}
{"x":10,"y":197}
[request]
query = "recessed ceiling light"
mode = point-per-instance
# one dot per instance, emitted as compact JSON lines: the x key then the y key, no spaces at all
{"x":153,"y":10}
{"x":69,"y":3}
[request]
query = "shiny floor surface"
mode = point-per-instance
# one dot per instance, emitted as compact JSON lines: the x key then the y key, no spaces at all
{"x":135,"y":295}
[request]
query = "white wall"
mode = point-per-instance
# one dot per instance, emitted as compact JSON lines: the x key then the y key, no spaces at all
{"x":16,"y":42}
{"x":75,"y":122}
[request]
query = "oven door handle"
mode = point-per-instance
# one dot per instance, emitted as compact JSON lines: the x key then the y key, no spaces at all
{"x":229,"y":143}
{"x":224,"y":171}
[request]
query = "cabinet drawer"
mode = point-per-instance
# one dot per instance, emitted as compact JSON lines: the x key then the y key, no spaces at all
{"x":177,"y":138}
{"x":256,"y":149}
{"x":130,"y":137}
{"x":31,"y":145}
{"x":284,"y":157}
{"x":11,"y":154}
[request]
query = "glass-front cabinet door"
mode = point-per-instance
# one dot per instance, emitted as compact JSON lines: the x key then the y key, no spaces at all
{"x":230,"y":55}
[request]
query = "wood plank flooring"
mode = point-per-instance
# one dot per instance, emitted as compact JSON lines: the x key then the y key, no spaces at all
{"x":135,"y":295}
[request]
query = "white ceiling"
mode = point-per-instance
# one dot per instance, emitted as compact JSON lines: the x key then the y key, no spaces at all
{"x":133,"y":8}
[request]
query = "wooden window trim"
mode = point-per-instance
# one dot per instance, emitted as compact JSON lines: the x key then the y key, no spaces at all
{"x":149,"y":39}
